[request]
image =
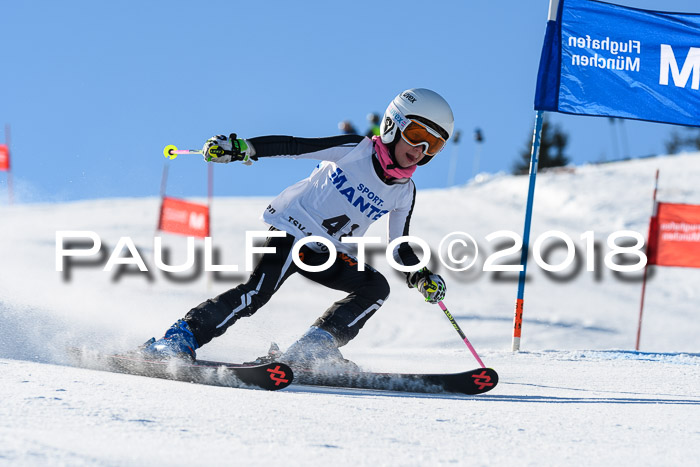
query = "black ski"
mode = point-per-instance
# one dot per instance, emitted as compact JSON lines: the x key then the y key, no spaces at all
{"x":470,"y":382}
{"x":271,"y":376}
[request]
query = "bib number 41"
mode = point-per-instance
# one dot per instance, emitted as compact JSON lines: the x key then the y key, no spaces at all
{"x":334,"y":224}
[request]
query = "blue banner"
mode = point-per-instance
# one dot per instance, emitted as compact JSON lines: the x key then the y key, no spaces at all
{"x":608,"y":60}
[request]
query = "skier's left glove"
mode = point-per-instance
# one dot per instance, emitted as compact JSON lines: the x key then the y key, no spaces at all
{"x":432,"y":286}
{"x":225,"y":149}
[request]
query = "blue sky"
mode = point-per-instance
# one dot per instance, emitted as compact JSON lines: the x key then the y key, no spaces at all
{"x":93,"y":91}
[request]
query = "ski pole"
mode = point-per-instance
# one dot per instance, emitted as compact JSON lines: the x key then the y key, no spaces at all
{"x":171,"y":151}
{"x":461,"y":333}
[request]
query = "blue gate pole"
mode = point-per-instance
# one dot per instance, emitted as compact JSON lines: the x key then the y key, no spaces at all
{"x":534,"y":159}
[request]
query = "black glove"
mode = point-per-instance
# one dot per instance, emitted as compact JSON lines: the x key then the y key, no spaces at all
{"x":224,"y":149}
{"x":432,"y":286}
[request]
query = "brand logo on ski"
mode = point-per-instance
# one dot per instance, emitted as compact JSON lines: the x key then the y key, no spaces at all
{"x":276,"y":375}
{"x":478,"y":380}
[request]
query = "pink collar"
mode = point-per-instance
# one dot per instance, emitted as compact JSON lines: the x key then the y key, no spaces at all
{"x":391,"y":169}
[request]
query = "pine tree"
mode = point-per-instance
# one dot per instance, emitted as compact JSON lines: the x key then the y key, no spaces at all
{"x":552,"y":146}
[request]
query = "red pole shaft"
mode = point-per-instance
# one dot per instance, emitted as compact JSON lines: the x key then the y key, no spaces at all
{"x":641,"y":308}
{"x":646,"y":267}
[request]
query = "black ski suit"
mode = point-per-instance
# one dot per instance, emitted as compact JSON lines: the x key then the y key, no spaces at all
{"x":343,"y":196}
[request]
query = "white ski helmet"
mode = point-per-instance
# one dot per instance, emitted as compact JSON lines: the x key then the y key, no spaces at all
{"x":423,"y":105}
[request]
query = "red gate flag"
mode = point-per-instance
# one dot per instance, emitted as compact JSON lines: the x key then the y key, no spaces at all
{"x":182,"y":217}
{"x":4,"y":158}
{"x":674,"y":236}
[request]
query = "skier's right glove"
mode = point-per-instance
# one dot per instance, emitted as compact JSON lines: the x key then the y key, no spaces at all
{"x":224,"y":149}
{"x":432,"y":286}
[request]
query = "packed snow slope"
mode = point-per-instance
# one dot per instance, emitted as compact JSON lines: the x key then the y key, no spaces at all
{"x":576,"y":394}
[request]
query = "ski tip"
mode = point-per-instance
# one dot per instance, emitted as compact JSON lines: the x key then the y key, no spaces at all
{"x":483,"y":380}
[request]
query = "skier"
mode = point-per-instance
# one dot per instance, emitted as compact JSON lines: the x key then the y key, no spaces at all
{"x":374,"y":129}
{"x":346,"y":127}
{"x":358,"y":181}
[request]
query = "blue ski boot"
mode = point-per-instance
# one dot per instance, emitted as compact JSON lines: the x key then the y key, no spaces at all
{"x":178,"y":342}
{"x":317,"y":350}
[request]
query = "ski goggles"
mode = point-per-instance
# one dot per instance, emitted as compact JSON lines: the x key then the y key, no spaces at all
{"x":416,"y":133}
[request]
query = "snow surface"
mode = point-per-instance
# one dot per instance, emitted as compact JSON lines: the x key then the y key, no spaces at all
{"x":576,"y":395}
